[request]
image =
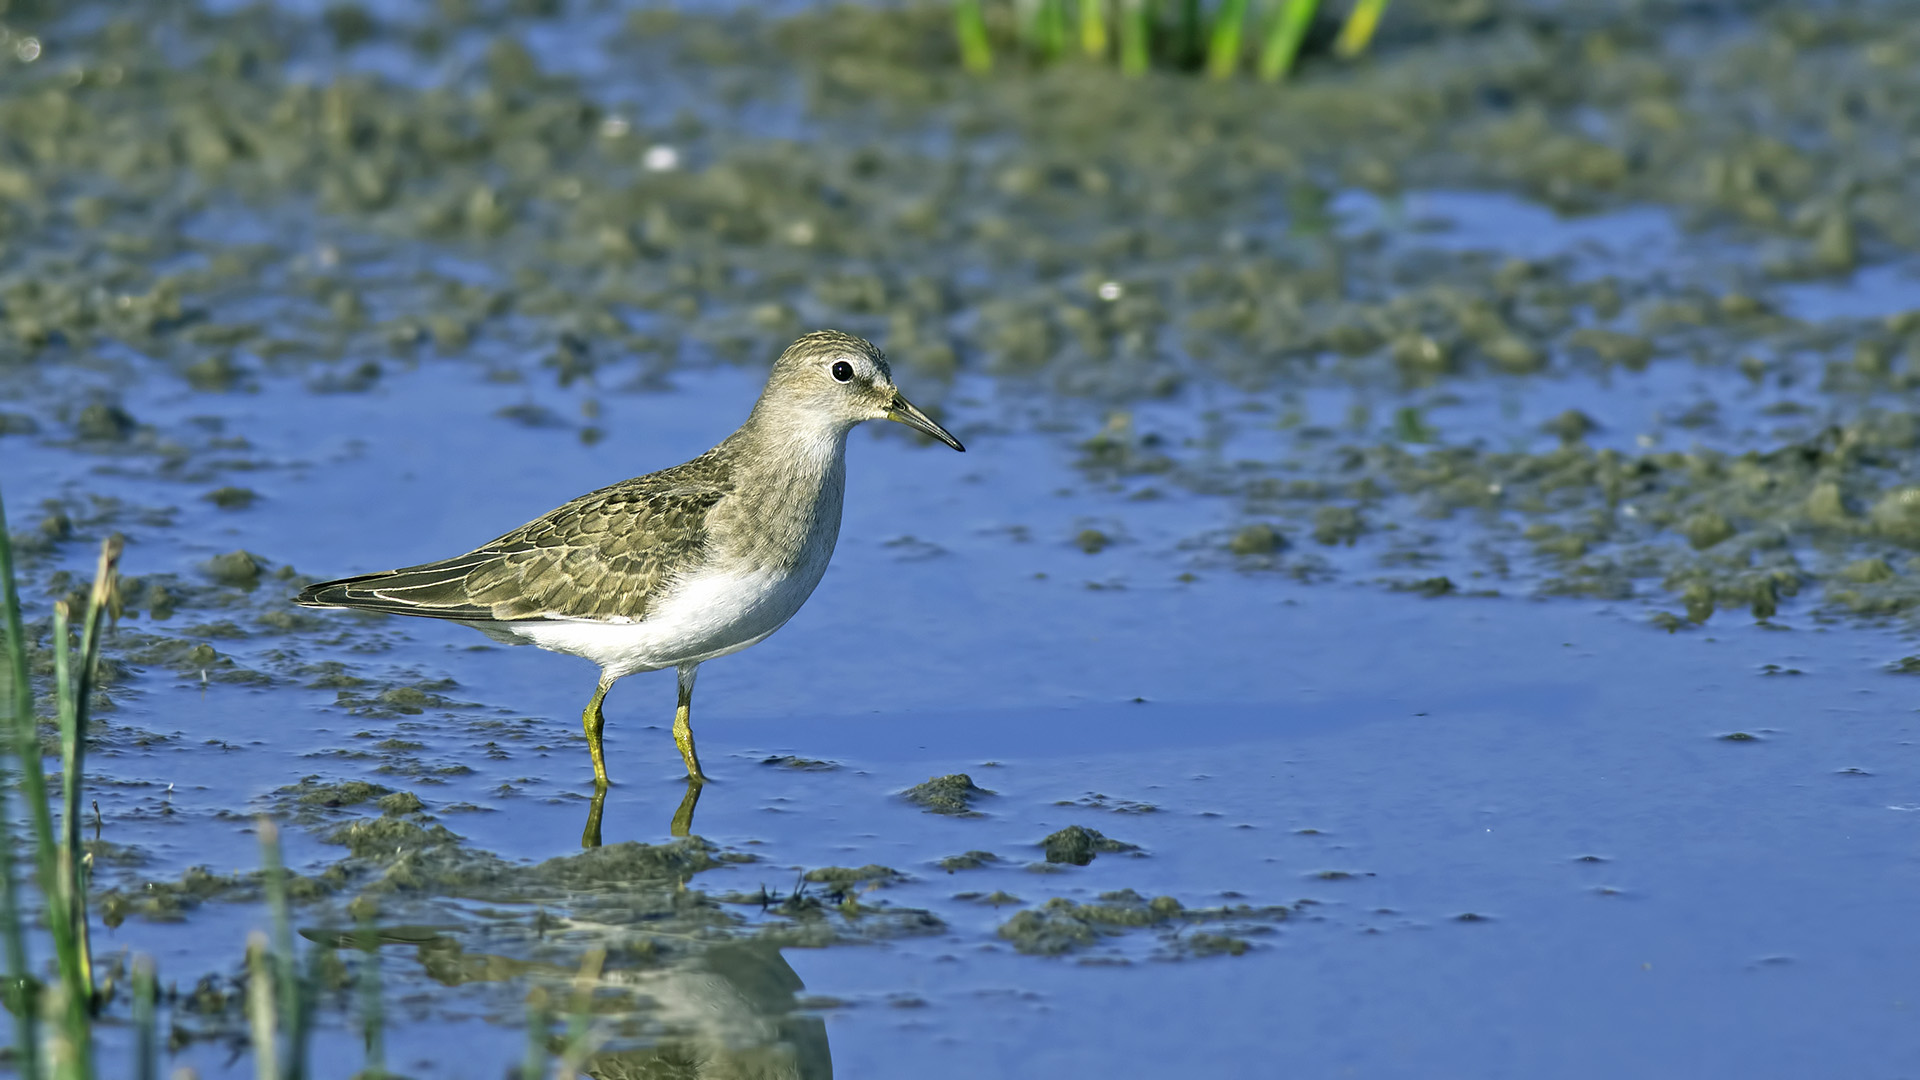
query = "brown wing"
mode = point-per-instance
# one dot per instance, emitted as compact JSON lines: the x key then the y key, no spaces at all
{"x":608,"y":553}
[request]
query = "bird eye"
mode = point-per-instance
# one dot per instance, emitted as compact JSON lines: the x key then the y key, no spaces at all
{"x":842,"y":371}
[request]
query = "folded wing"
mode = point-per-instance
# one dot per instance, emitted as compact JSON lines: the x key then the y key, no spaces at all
{"x":607,"y":554}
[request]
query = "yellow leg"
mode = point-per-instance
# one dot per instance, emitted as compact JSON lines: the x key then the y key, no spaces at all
{"x":593,"y":720}
{"x":683,"y":723}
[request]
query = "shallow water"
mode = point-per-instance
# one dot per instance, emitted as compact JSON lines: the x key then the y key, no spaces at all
{"x":1453,"y":770}
{"x":1396,"y":770}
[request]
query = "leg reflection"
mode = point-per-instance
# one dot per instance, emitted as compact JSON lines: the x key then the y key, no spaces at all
{"x":683,"y":817}
{"x":590,"y":836}
{"x":682,"y":824}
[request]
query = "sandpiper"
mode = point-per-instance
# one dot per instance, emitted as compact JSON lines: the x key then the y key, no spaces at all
{"x":676,"y":567}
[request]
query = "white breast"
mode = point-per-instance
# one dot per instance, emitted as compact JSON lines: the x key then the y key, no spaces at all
{"x":705,"y":616}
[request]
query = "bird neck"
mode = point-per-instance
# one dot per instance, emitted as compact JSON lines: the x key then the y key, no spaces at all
{"x":784,"y":448}
{"x":790,"y":478}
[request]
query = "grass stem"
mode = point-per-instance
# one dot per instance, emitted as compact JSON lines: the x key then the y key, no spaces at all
{"x":16,"y":699}
{"x":62,"y":890}
{"x":539,"y":1021}
{"x":1093,"y":28}
{"x":1223,"y":46}
{"x":580,"y":1042}
{"x":260,"y":1011}
{"x":1188,"y":24}
{"x":372,"y":1018}
{"x":1136,"y":30}
{"x":970,"y":27}
{"x":1358,"y":29}
{"x":296,"y":1004}
{"x":1284,"y":35}
{"x":1050,"y":29}
{"x":145,"y":1023}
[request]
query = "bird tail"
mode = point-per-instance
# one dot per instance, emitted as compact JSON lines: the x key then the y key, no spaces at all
{"x":436,"y":590}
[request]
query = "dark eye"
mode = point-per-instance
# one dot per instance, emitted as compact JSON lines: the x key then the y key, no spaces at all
{"x":842,"y":371}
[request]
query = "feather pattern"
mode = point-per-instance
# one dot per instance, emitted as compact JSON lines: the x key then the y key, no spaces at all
{"x":609,"y":554}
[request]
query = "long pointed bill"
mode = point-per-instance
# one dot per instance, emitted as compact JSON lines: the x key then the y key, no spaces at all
{"x":903,"y":411}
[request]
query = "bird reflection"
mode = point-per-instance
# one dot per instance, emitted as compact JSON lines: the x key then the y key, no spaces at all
{"x":728,"y":1011}
{"x":681,"y":825}
{"x":733,"y":1016}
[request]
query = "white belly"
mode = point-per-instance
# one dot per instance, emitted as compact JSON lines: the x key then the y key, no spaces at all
{"x":705,"y":616}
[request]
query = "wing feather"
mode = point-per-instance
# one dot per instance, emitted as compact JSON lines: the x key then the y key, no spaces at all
{"x":610,"y":553}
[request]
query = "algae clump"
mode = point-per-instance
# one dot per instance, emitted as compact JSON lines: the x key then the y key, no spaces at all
{"x":1061,"y":925}
{"x":972,"y":860}
{"x":310,"y":792}
{"x":1896,"y":516}
{"x":1092,"y":541}
{"x":952,"y":794}
{"x":840,"y":877}
{"x":401,"y":802}
{"x":105,"y":423}
{"x":1705,"y":529}
{"x":1256,"y":539}
{"x":240,"y":569}
{"x":1338,"y":525}
{"x":231,"y":498}
{"x":1077,"y":844}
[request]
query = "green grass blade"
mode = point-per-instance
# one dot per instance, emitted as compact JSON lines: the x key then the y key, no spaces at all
{"x":1050,"y":30}
{"x":16,"y":699}
{"x":58,"y":888}
{"x":1358,"y":30}
{"x":1284,"y":35}
{"x":312,"y":974}
{"x":1026,"y":21}
{"x":260,"y":1013}
{"x":372,"y":1018}
{"x":539,"y":1020}
{"x":970,"y":27}
{"x":1223,"y":47}
{"x":1093,"y":28}
{"x":580,"y":1044}
{"x":1187,"y":33}
{"x":33,"y":789}
{"x":1136,"y":31}
{"x":146,"y":1046}
{"x":65,"y":890}
{"x":76,"y":697}
{"x":295,"y":1007}
{"x":67,"y":1059}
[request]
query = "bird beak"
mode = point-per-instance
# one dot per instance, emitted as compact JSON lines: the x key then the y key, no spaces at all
{"x":903,"y":411}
